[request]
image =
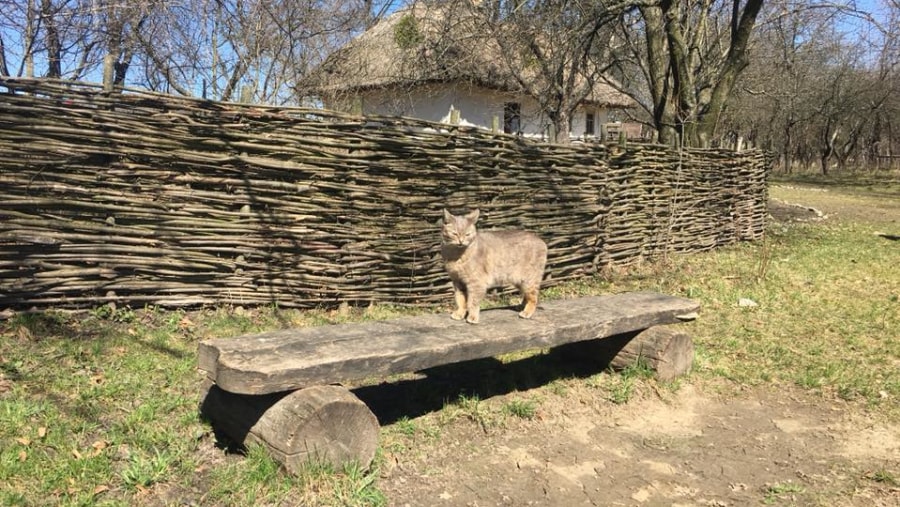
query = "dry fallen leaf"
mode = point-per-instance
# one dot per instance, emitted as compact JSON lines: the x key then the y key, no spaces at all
{"x":24,"y":441}
{"x":42,"y":432}
{"x":98,"y":446}
{"x":76,"y":454}
{"x":23,"y":455}
{"x":100,"y":489}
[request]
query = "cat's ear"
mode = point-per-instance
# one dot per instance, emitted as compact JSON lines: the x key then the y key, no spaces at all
{"x":472,"y":216}
{"x":448,"y":217}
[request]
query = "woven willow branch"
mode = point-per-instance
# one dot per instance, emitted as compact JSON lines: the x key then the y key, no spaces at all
{"x":142,"y":198}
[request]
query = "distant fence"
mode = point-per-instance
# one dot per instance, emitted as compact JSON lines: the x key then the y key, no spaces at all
{"x":140,"y":198}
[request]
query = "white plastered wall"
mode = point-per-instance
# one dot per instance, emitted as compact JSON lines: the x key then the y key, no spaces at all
{"x":477,"y":107}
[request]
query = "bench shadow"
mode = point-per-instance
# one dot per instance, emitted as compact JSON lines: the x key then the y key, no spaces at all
{"x":487,"y":378}
{"x":228,"y":430}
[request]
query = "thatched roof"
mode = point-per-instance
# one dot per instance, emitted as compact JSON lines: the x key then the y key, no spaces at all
{"x":429,"y":43}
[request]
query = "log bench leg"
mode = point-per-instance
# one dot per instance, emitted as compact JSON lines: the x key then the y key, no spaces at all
{"x":320,"y":423}
{"x":667,"y":351}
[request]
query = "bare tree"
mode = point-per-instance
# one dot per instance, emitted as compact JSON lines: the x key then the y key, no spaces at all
{"x":555,"y":50}
{"x":821,"y":87}
{"x":773,"y":103}
{"x":689,"y":55}
{"x":241,"y":49}
{"x":67,"y":35}
{"x":258,"y":48}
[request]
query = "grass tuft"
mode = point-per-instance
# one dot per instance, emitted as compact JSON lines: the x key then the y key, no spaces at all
{"x":523,"y":409}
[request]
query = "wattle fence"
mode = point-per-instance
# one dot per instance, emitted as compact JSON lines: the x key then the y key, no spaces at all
{"x":140,"y":198}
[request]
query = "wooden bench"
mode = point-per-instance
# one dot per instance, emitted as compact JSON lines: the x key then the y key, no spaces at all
{"x":280,"y":389}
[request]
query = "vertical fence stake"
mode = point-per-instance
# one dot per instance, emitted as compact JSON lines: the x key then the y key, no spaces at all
{"x":109,"y":65}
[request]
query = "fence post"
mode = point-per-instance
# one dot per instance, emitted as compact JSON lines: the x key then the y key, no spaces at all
{"x":109,"y":70}
{"x":246,"y":94}
{"x":454,"y":115}
{"x":356,"y":108}
{"x":495,"y":124}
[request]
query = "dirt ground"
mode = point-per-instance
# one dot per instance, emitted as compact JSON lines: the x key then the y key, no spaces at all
{"x":800,"y":203}
{"x":702,"y":445}
{"x":688,"y":448}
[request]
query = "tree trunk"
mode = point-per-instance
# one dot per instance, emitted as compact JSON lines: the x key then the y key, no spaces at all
{"x":658,"y":74}
{"x":679,"y":105}
{"x":54,"y":46}
{"x":787,"y":149}
{"x":561,"y":127}
{"x":4,"y":69}
{"x":742,"y":24}
{"x":681,"y":64}
{"x":828,"y":150}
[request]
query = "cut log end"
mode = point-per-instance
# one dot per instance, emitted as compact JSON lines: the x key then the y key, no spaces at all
{"x":324,"y":424}
{"x":667,"y":351}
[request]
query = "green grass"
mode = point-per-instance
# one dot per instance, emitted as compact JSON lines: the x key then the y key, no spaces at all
{"x":827,"y":316}
{"x":523,"y":409}
{"x":780,"y":492}
{"x":884,"y":477}
{"x":620,"y":387}
{"x":102,"y":407}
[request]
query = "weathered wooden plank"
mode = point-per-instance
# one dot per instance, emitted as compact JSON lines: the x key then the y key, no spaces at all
{"x":296,"y":358}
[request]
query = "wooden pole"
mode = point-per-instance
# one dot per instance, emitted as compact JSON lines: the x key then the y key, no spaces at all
{"x":356,"y":108}
{"x":109,"y":65}
{"x":246,"y":94}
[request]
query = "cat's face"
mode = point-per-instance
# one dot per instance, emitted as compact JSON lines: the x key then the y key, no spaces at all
{"x":459,"y":230}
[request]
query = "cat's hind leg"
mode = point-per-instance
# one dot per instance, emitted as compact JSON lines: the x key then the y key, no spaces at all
{"x":529,"y":300}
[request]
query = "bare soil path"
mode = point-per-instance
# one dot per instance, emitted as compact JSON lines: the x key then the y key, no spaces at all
{"x":693,"y":447}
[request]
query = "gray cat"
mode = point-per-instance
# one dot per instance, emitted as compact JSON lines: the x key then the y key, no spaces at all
{"x":477,"y":261}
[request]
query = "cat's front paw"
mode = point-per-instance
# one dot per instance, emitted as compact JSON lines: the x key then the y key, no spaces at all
{"x":472,"y":319}
{"x":525,"y":314}
{"x":457,"y":315}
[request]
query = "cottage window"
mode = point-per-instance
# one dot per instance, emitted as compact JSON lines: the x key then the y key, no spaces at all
{"x":589,"y":124}
{"x":512,"y":118}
